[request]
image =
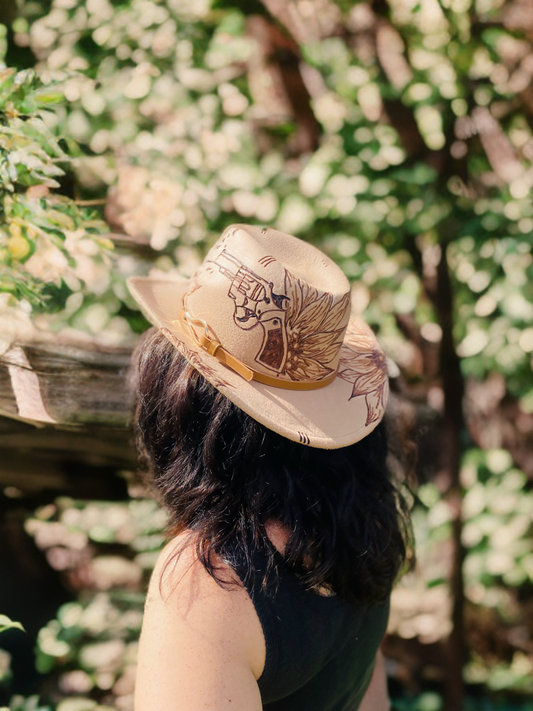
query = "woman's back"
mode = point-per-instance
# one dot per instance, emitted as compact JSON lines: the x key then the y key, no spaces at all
{"x":206,"y":646}
{"x":320,"y":650}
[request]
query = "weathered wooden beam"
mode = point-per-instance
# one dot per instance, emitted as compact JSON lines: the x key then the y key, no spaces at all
{"x":65,"y":382}
{"x":64,"y":418}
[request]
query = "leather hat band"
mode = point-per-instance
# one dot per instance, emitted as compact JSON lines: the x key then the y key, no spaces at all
{"x":214,"y":348}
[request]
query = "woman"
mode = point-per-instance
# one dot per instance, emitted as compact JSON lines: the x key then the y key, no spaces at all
{"x":259,"y":409}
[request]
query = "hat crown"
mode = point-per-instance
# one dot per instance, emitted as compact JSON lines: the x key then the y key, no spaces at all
{"x":274,"y":302}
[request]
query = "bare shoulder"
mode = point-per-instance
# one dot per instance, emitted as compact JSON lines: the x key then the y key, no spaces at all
{"x":201,"y":645}
{"x":179,"y":576}
{"x":184,"y":591}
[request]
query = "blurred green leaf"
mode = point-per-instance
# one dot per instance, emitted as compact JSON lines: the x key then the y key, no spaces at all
{"x":7,"y":624}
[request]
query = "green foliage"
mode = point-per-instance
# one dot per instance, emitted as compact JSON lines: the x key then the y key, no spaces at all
{"x":50,"y":247}
{"x":498,"y":564}
{"x":90,"y":647}
{"x":495,"y":328}
{"x":7,"y":624}
{"x":431,"y":701}
{"x":75,"y":703}
{"x":428,"y":701}
{"x":498,"y":525}
{"x":19,"y":703}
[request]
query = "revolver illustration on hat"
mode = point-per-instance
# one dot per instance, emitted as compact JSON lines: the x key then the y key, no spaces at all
{"x":256,"y":304}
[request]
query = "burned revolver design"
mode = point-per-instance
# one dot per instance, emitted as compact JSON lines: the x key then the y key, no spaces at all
{"x":256,"y":304}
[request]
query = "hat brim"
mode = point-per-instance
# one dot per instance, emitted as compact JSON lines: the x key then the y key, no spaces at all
{"x":334,"y":416}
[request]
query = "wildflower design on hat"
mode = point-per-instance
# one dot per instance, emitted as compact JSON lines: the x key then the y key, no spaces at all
{"x":315,"y":328}
{"x":363,"y":364}
{"x":302,"y":328}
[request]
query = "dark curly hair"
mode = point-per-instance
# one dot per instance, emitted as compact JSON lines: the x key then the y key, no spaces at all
{"x":221,"y":475}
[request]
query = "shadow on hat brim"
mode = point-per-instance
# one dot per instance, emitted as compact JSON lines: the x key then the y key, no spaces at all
{"x":328,"y":418}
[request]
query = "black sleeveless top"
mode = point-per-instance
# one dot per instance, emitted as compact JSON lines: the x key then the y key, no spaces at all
{"x":320,"y":651}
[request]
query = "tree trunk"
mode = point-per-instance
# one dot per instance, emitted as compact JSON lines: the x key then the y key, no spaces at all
{"x":453,"y":426}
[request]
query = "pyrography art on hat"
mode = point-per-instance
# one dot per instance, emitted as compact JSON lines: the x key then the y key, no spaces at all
{"x":364,"y":366}
{"x":302,"y":329}
{"x":266,"y":319}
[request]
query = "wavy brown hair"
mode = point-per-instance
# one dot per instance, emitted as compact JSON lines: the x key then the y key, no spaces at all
{"x":221,"y":475}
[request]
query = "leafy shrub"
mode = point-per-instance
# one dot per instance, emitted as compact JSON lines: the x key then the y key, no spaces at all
{"x":106,"y":551}
{"x":50,"y":247}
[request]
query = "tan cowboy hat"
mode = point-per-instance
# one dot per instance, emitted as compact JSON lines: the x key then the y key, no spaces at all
{"x":266,"y":319}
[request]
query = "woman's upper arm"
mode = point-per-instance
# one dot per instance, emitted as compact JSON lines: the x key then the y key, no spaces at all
{"x":376,"y":697}
{"x":201,"y":646}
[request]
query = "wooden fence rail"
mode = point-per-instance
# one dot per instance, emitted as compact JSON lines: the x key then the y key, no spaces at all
{"x":64,"y":414}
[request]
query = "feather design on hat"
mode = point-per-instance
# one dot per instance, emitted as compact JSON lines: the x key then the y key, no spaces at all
{"x":315,"y":326}
{"x":363,"y":364}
